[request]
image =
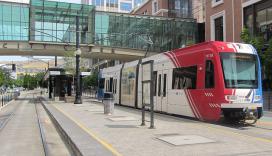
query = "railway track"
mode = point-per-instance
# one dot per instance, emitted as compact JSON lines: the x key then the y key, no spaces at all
{"x":41,"y":129}
{"x":27,"y":129}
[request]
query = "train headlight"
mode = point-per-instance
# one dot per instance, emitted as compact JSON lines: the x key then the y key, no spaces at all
{"x":231,"y":97}
{"x":257,"y":98}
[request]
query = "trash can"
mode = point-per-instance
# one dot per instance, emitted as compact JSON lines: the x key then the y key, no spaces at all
{"x":108,"y":102}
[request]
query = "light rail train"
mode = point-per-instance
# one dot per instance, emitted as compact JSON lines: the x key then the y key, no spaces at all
{"x":207,"y":81}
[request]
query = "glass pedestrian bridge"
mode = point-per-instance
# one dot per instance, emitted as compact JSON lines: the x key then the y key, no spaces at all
{"x":54,"y":22}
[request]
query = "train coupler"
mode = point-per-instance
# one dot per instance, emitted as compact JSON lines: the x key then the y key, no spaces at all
{"x":250,"y":115}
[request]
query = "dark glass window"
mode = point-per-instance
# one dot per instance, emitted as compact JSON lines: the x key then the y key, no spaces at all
{"x":159,"y":86}
{"x":111,"y":85}
{"x":180,"y":8}
{"x":218,"y":29}
{"x":155,"y":82}
{"x":115,"y":86}
{"x":184,"y":78}
{"x":209,"y":75}
{"x":258,"y":19}
{"x":112,"y":3}
{"x":164,"y":84}
{"x":248,"y":19}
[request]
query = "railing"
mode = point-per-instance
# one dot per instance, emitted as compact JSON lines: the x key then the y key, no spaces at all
{"x":7,"y":97}
{"x":92,"y":93}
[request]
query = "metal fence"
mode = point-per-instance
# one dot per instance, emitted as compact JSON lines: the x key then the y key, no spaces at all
{"x":6,"y":98}
{"x":90,"y":93}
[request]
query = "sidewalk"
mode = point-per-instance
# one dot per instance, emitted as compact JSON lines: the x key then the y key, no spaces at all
{"x":120,"y":134}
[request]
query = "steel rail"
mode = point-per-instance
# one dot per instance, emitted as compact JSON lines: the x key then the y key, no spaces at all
{"x":42,"y":134}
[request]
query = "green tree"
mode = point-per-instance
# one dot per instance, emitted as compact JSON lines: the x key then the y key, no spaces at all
{"x":5,"y":78}
{"x":2,"y":77}
{"x":91,"y":80}
{"x":70,"y":62}
{"x":245,"y":35}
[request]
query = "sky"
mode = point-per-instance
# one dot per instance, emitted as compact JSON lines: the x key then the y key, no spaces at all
{"x":19,"y":58}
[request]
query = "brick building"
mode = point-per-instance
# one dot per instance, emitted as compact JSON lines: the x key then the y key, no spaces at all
{"x":225,"y":19}
{"x":170,"y":8}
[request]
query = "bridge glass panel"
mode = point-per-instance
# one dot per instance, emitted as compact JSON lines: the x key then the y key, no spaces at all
{"x":14,"y":21}
{"x":143,"y":32}
{"x":55,"y":22}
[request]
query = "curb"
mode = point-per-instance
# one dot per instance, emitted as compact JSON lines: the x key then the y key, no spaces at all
{"x":68,"y":141}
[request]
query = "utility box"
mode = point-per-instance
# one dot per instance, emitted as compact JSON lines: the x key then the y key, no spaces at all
{"x":108,"y":102}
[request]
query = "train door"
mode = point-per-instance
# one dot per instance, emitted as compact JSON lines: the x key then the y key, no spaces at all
{"x":161,"y":98}
{"x":209,"y":91}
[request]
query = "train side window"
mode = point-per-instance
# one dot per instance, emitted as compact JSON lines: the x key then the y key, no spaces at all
{"x":184,"y":78}
{"x":115,"y":85}
{"x":164,"y":85}
{"x":155,"y":82}
{"x":159,"y":85}
{"x":107,"y":85}
{"x":111,"y":85}
{"x":209,"y":74}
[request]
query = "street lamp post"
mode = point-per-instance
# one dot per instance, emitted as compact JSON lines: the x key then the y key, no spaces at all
{"x":78,"y":94}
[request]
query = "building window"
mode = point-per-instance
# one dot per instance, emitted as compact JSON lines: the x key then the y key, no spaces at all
{"x":264,"y":23}
{"x":218,"y":27}
{"x":137,"y":3}
{"x":125,"y":6}
{"x":258,"y":19}
{"x":98,"y":2}
{"x":112,"y":3}
{"x":155,"y":6}
{"x":180,"y":8}
{"x":217,"y":2}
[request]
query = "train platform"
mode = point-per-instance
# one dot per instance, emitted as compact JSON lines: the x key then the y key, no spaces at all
{"x":94,"y":133}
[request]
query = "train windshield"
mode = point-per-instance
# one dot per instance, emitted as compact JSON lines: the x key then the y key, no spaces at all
{"x":240,"y":70}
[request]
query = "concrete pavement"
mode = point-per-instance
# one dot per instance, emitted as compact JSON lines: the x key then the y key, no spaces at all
{"x":120,"y":134}
{"x":22,"y":124}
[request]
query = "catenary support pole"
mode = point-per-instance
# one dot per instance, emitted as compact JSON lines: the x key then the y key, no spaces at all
{"x":78,"y":92}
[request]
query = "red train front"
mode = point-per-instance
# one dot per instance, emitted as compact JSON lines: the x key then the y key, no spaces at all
{"x":227,"y":80}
